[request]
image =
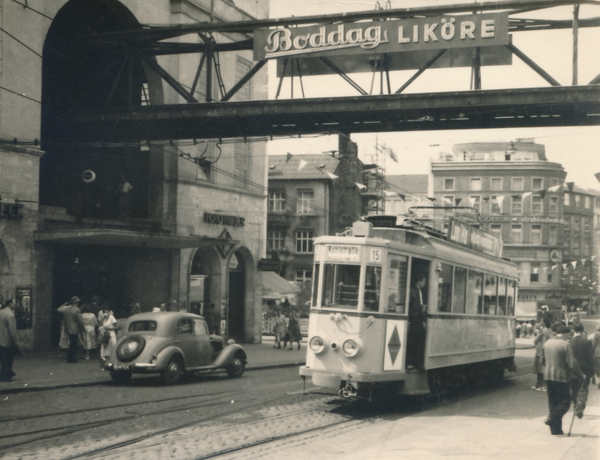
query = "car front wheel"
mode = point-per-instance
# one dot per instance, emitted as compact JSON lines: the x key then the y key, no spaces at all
{"x":236,"y":368}
{"x":174,"y":371}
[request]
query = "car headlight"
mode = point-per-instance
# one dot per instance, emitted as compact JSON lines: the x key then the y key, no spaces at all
{"x":317,"y":344}
{"x":352,"y":347}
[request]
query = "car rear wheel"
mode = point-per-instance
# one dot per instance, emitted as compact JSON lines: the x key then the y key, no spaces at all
{"x":236,"y":368}
{"x":174,"y":371}
{"x":121,"y":376}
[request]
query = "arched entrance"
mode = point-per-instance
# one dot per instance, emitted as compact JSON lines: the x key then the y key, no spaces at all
{"x":205,"y":280}
{"x":77,"y":74}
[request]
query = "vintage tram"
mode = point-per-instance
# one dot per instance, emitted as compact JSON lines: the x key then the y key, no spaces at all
{"x":364,"y":284}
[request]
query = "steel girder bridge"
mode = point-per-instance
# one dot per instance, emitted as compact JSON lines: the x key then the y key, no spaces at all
{"x":553,"y":105}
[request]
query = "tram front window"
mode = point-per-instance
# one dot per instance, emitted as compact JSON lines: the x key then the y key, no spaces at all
{"x":340,"y":286}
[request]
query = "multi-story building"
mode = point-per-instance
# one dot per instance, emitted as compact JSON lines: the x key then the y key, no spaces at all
{"x":579,"y":274}
{"x":511,"y":190}
{"x":310,"y":196}
{"x":127,"y":219}
{"x":406,"y":191}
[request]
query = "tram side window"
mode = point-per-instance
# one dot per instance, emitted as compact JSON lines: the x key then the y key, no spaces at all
{"x":474,"y":293}
{"x":396,"y":289}
{"x":315,"y":283}
{"x":372,"y":288}
{"x":510,"y":298}
{"x":490,"y":295}
{"x":445,"y":288}
{"x":460,"y":289}
{"x":340,"y":286}
{"x":502,"y":296}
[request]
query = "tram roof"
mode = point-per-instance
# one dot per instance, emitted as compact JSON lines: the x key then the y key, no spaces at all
{"x":421,"y":243}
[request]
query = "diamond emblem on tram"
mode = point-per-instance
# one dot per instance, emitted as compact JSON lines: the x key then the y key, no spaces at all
{"x":394,"y":345}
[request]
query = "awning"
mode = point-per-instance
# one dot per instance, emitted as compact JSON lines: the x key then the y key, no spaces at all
{"x":274,"y":286}
{"x":129,"y":238}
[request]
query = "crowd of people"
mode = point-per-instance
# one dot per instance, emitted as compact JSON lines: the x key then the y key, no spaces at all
{"x":566,"y":362}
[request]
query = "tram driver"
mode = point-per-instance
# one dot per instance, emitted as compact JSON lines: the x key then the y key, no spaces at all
{"x":417,"y":315}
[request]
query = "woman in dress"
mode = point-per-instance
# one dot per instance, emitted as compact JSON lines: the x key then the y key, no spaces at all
{"x":88,"y":337}
{"x":280,"y":328}
{"x":108,"y":326}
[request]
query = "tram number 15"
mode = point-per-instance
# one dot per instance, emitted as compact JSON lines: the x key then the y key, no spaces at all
{"x":375,"y":255}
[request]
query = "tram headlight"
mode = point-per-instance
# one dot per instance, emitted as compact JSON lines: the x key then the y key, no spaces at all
{"x":352,"y":347}
{"x":317,"y":344}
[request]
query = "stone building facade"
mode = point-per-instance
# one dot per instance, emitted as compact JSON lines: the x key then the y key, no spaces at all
{"x":123,"y":220}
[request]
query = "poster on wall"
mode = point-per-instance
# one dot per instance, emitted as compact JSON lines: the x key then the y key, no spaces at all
{"x":23,"y":307}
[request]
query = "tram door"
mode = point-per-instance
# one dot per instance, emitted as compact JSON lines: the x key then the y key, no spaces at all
{"x":417,"y":316}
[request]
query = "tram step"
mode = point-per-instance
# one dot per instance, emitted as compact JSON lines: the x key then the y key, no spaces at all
{"x":415,"y":383}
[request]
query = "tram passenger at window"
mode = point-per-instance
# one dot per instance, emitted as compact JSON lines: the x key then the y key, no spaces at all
{"x":417,"y":311}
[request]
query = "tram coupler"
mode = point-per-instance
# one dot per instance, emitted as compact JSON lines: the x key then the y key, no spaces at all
{"x":348,"y":392}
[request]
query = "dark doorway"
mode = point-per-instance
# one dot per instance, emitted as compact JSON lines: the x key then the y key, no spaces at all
{"x":85,"y":271}
{"x":237,"y":295}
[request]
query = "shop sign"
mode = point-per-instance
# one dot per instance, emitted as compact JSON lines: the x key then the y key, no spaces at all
{"x":514,"y":219}
{"x":410,"y":34}
{"x":220,"y":219}
{"x":269,"y":265}
{"x":11,"y":210}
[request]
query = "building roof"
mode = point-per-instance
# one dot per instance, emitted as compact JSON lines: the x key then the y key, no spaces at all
{"x":410,"y":183}
{"x":312,"y":167}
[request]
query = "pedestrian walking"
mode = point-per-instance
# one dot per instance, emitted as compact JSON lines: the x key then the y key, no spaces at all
{"x":560,"y":363}
{"x":544,"y":334}
{"x":294,"y":328}
{"x":73,"y":327}
{"x":596,"y":347}
{"x":584,"y":354}
{"x":9,"y":342}
{"x":280,"y":328}
{"x":213,"y":319}
{"x":90,"y":333}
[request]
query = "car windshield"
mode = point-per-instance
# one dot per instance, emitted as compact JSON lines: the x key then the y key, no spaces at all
{"x":142,"y":326}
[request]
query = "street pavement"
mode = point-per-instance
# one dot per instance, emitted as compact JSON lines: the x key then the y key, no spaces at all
{"x":45,"y":370}
{"x":461,"y":435}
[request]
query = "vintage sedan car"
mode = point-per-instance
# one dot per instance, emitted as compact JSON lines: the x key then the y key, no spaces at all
{"x":172,"y":344}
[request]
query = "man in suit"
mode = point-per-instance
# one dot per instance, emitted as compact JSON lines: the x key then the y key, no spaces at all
{"x":417,"y":312}
{"x":9,"y":344}
{"x":584,"y":354}
{"x":560,"y":365}
{"x":73,"y":327}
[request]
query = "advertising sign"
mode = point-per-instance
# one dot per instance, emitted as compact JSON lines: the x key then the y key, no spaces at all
{"x":396,"y":36}
{"x":474,"y":238}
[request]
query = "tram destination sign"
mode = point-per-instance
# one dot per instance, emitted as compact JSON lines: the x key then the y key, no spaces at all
{"x":474,"y":238}
{"x":395,"y":36}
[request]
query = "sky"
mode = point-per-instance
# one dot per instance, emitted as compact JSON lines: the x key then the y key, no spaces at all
{"x":576,"y":148}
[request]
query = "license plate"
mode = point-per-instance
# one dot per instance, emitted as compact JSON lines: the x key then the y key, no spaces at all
{"x":122,"y":367}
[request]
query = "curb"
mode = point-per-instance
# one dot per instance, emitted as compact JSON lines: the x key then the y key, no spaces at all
{"x":31,"y":389}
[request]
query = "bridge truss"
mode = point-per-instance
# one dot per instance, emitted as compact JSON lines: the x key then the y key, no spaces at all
{"x":396,"y":110}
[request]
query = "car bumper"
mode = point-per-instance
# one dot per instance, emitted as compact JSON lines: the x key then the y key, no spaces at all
{"x":135,"y":367}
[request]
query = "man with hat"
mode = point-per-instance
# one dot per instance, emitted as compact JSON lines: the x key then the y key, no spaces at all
{"x":9,"y":345}
{"x":560,"y":367}
{"x":73,"y":327}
